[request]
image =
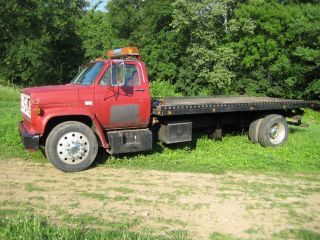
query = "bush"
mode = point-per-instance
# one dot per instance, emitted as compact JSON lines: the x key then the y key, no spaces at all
{"x":162,"y":89}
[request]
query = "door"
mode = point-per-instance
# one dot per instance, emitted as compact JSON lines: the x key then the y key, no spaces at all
{"x":122,"y":96}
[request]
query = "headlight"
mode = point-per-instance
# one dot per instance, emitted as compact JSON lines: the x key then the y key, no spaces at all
{"x":25,"y":104}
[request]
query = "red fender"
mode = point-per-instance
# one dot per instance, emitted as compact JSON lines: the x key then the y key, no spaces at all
{"x":61,"y":112}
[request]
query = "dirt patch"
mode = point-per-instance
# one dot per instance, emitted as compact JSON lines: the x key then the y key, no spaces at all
{"x":255,"y":206}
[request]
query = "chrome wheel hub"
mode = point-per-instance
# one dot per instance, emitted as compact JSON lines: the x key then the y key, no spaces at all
{"x":274,"y":131}
{"x":277,"y":133}
{"x":73,"y":147}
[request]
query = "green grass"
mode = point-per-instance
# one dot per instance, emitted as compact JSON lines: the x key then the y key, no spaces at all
{"x":218,"y":236}
{"x":235,"y":152}
{"x":92,"y":195}
{"x":38,"y":228}
{"x":9,"y":94}
{"x":22,"y":224}
{"x":36,"y":198}
{"x":10,"y":143}
{"x":281,"y":190}
{"x":32,"y":188}
{"x":122,"y":189}
{"x":142,"y":201}
{"x":103,"y":197}
{"x":120,"y":198}
{"x":300,"y":234}
{"x":300,"y":154}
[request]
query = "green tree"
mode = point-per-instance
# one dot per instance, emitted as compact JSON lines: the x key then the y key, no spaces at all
{"x":145,"y":24}
{"x":40,"y":45}
{"x":278,"y":48}
{"x":160,"y":45}
{"x":208,"y":57}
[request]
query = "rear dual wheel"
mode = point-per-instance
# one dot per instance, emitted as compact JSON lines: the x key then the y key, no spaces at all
{"x":254,"y":130}
{"x":270,"y":131}
{"x":71,"y":146}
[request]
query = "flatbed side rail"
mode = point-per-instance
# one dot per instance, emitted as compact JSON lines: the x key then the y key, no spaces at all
{"x":163,"y":108}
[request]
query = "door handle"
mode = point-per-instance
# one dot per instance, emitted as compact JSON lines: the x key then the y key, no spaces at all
{"x":139,"y":89}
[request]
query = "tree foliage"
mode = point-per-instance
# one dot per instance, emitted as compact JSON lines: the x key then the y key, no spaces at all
{"x":205,"y":25}
{"x":198,"y":47}
{"x":39,"y":44}
{"x":279,"y":56}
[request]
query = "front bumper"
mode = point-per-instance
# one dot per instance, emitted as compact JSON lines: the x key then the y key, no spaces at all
{"x":29,"y":140}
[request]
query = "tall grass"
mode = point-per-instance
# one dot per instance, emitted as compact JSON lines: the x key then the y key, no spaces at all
{"x":10,"y":116}
{"x":38,"y":228}
{"x":235,"y":152}
{"x":9,"y":94}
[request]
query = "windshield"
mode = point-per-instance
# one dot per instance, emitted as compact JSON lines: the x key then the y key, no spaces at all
{"x":88,"y":74}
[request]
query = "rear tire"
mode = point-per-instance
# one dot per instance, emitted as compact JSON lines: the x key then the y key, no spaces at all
{"x":273,"y":131}
{"x":71,"y":146}
{"x":254,"y":130}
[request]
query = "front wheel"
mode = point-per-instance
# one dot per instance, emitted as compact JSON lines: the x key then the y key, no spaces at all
{"x":71,"y":146}
{"x":273,"y":131}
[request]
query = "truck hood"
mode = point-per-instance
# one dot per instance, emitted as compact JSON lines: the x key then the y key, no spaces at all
{"x":59,"y":94}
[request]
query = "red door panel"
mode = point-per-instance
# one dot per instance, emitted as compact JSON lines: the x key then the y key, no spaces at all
{"x":125,"y":106}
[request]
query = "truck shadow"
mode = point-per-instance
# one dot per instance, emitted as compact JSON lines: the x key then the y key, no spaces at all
{"x":158,"y":147}
{"x":295,"y":129}
{"x":103,"y":156}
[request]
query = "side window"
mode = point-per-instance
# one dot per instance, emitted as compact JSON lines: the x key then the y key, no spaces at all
{"x":106,"y":78}
{"x":132,"y":75}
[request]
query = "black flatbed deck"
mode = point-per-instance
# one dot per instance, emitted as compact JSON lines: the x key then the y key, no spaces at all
{"x":217,"y":104}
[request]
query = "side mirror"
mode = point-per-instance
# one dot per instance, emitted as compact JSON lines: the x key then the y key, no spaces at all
{"x":118,"y":73}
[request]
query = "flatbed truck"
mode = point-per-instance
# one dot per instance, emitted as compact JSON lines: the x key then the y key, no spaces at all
{"x":108,"y":105}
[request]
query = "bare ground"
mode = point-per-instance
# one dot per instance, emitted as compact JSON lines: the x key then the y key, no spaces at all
{"x":240,"y":204}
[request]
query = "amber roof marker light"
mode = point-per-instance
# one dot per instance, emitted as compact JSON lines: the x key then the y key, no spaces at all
{"x":124,"y":53}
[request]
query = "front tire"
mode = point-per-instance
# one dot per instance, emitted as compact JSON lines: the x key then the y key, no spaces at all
{"x":71,"y":146}
{"x":273,"y":131}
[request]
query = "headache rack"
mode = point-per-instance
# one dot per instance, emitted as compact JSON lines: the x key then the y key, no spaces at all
{"x":205,"y":105}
